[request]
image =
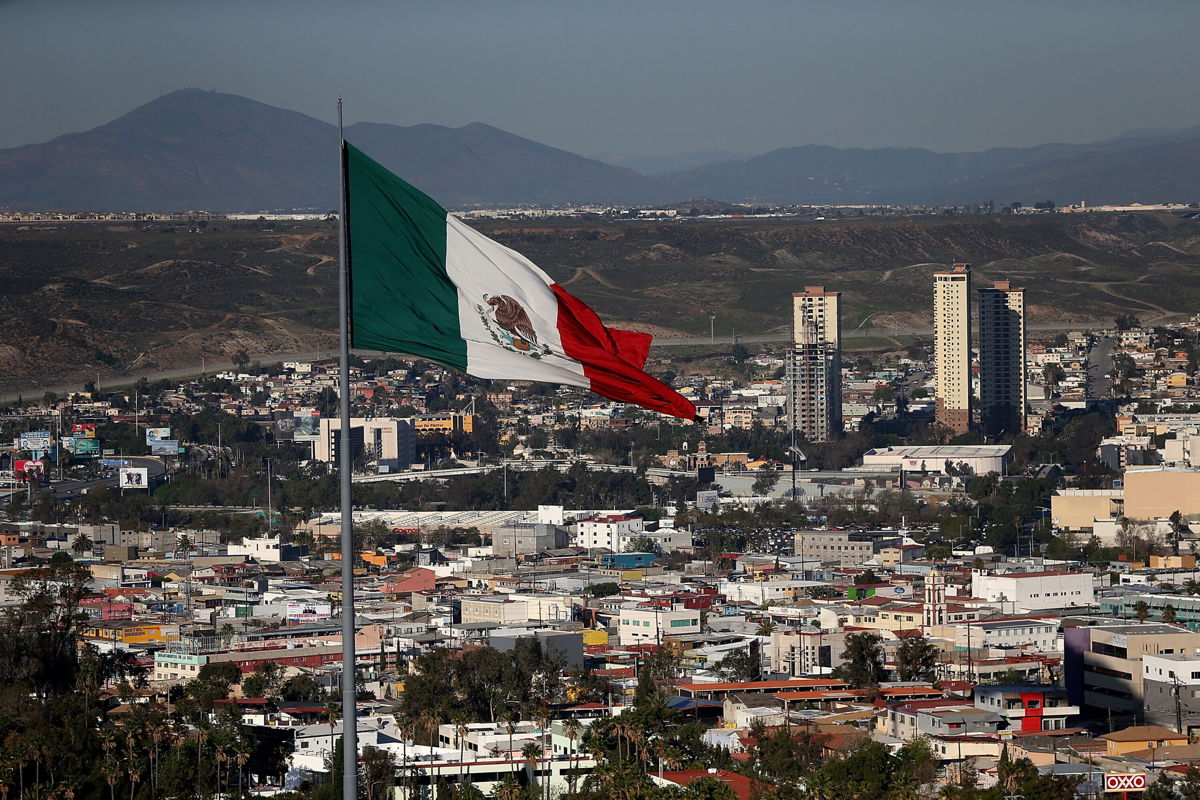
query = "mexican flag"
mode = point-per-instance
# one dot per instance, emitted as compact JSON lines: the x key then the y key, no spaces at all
{"x":424,"y":283}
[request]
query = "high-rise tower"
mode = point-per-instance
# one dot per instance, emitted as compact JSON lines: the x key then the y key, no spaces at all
{"x":952,"y":346}
{"x":1001,"y":359}
{"x":815,"y":365}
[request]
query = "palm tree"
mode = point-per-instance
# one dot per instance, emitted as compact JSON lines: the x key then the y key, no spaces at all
{"x":460,"y":733}
{"x":507,"y":717}
{"x":1141,"y":610}
{"x":111,"y":775}
{"x":241,"y":756}
{"x":572,"y":728}
{"x":184,"y":543}
{"x":531,"y":752}
{"x":1168,"y":613}
{"x":82,"y":544}
{"x":765,"y":628}
{"x":200,"y":735}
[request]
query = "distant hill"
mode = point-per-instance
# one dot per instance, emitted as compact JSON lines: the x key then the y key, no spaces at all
{"x":195,"y":149}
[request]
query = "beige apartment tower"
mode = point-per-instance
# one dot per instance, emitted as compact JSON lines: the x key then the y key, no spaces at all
{"x":815,"y":365}
{"x":952,"y":346}
{"x":1001,"y":359}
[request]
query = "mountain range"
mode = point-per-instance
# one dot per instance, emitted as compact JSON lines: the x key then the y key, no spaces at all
{"x":194,"y":149}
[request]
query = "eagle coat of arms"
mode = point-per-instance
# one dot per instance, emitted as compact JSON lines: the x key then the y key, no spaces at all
{"x":510,"y":327}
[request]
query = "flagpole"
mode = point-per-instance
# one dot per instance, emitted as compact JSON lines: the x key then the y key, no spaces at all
{"x":345,"y":463}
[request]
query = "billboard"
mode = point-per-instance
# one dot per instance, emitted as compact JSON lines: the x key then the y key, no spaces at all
{"x":87,"y":447}
{"x":115,"y":462}
{"x":307,"y":424}
{"x":29,"y":470}
{"x":309,"y":612}
{"x":706,"y":501}
{"x":285,"y":426}
{"x":133,"y":478}
{"x":157,"y":434}
{"x":164,"y":447}
{"x":84,"y":430}
{"x":35,"y":440}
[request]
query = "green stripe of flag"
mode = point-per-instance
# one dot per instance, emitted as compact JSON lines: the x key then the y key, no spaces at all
{"x":401,"y":299}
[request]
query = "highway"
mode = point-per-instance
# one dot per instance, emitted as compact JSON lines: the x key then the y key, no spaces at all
{"x":69,"y":490}
{"x":1099,"y":369}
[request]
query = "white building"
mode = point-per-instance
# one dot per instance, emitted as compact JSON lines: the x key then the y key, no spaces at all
{"x":1034,"y":591}
{"x":979,"y":458}
{"x":266,"y":549}
{"x":390,"y":443}
{"x":608,"y":533}
{"x":652,"y":625}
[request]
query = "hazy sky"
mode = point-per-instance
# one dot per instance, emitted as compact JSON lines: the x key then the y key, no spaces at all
{"x":649,"y":77}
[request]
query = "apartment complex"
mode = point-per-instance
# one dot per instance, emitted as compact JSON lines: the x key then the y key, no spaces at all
{"x":952,"y":346}
{"x":391,"y":443}
{"x":815,"y":365}
{"x":1001,"y":359}
{"x":1105,"y":673}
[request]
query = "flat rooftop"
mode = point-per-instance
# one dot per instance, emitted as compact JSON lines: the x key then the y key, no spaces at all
{"x":942,"y":451}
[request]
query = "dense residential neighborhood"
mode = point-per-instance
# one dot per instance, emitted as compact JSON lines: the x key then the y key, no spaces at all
{"x":551,"y":590}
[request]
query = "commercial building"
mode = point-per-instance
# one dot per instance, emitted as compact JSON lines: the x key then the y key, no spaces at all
{"x":1001,"y":359}
{"x":388,"y":442}
{"x":607,"y":533}
{"x":979,"y":459}
{"x":652,"y":625}
{"x":1034,"y":591}
{"x":952,"y":346}
{"x":527,"y":538}
{"x":1078,"y":509}
{"x":1171,"y":688}
{"x":815,"y":365}
{"x":843,"y":548}
{"x":1104,"y":664}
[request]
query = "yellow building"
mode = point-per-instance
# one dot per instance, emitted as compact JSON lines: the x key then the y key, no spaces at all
{"x":1077,"y":509}
{"x":1155,"y":492}
{"x":444,"y":423}
{"x":1141,"y":737}
{"x":127,"y":632}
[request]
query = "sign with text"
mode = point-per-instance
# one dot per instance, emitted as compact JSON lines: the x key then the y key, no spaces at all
{"x":1124,"y":781}
{"x":87,"y":447}
{"x":706,"y":501}
{"x":84,"y":430}
{"x":35,"y":440}
{"x":308,"y":612}
{"x":29,"y":470}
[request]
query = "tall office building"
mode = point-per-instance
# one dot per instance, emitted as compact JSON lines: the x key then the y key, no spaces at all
{"x":1001,"y":359}
{"x":815,"y":365}
{"x":952,"y":346}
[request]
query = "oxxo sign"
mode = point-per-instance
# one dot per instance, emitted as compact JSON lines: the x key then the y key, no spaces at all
{"x":1124,"y":781}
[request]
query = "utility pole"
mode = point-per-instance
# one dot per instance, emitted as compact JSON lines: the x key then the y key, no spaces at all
{"x":712,"y":329}
{"x":1178,"y":708}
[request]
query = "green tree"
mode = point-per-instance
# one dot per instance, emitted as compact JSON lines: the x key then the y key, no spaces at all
{"x":1141,"y":610}
{"x":740,"y":665}
{"x":1168,"y":613}
{"x":916,"y":659}
{"x":862,"y":663}
{"x":765,"y":482}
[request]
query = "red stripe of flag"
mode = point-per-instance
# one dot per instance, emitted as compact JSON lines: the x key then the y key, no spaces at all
{"x":613,"y":359}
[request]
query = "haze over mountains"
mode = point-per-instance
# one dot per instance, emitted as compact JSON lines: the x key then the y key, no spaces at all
{"x":194,"y":149}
